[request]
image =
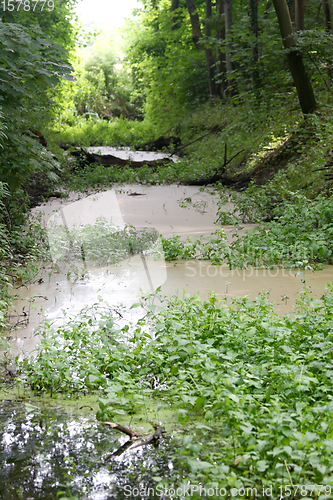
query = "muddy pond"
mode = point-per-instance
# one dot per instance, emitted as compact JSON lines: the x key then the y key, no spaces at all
{"x":54,"y":450}
{"x":64,"y":290}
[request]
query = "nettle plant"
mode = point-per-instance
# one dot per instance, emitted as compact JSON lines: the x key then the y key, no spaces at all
{"x":299,"y":231}
{"x":211,"y":247}
{"x":260,"y":384}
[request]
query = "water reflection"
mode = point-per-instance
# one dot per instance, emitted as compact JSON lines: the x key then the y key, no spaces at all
{"x":45,"y":450}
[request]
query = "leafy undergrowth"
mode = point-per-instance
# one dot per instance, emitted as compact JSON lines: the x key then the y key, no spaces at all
{"x":101,"y":176}
{"x":265,"y":141}
{"x":97,"y":132}
{"x":261,"y":142}
{"x":266,"y":379}
{"x":102,"y":243}
{"x":22,"y":243}
{"x":299,"y":234}
{"x":211,"y":247}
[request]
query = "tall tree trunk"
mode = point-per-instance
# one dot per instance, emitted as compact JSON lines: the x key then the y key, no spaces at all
{"x":198,"y":39}
{"x":210,"y":60}
{"x":302,"y":82}
{"x":228,"y":28}
{"x":255,"y":46}
{"x":195,"y":23}
{"x":328,"y":15}
{"x":220,"y":56}
{"x":174,"y":20}
{"x":299,"y":14}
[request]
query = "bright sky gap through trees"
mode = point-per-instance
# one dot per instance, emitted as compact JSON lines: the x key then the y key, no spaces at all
{"x":104,"y":11}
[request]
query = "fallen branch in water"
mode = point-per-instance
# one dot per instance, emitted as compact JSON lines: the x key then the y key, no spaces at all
{"x":125,"y":430}
{"x":133,"y":435}
{"x":153,"y":439}
{"x":120,"y":450}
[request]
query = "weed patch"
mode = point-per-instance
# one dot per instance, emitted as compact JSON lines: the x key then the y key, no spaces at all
{"x":299,"y":234}
{"x":266,"y":379}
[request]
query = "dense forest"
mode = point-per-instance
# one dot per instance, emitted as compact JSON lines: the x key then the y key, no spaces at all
{"x":241,"y":92}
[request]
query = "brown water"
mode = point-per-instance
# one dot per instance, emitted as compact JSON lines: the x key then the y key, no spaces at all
{"x":171,"y":210}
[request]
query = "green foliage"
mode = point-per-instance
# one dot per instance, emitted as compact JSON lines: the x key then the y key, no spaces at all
{"x":30,"y":65}
{"x":167,"y":70}
{"x":299,"y":235}
{"x":21,"y":237}
{"x":266,"y":378}
{"x":21,"y":240}
{"x":102,"y":243}
{"x":211,"y":248}
{"x":2,"y":129}
{"x":101,"y":85}
{"x":170,"y":72}
{"x":97,"y":132}
{"x":55,"y":21}
{"x":101,"y":90}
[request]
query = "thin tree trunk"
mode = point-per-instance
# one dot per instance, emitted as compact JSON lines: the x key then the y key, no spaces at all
{"x":302,"y":82}
{"x":195,"y":23}
{"x":328,"y":15}
{"x":198,"y":39}
{"x":267,"y":7}
{"x":228,"y":28}
{"x":299,"y":14}
{"x":208,"y":51}
{"x":220,"y":56}
{"x":255,"y":46}
{"x":174,"y":20}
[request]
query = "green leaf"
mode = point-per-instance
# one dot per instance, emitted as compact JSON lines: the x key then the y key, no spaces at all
{"x":200,"y":402}
{"x":196,"y":465}
{"x":262,"y":465}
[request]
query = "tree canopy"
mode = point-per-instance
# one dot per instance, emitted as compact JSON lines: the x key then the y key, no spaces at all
{"x":35,"y":56}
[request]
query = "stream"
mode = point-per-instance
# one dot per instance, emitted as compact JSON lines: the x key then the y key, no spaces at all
{"x":48,"y":447}
{"x":61,"y":292}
